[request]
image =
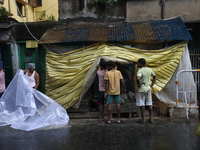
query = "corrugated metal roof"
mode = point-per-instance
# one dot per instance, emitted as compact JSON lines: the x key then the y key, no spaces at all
{"x":5,"y":25}
{"x":164,"y":30}
{"x":7,"y":22}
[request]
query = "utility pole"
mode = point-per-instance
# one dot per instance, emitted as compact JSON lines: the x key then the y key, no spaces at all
{"x":162,"y":5}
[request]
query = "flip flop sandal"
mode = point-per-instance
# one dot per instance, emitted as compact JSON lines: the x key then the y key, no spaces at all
{"x":108,"y":122}
{"x":150,"y":121}
{"x":140,"y":121}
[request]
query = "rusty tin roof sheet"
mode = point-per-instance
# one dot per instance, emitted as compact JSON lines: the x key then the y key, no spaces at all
{"x":164,"y":30}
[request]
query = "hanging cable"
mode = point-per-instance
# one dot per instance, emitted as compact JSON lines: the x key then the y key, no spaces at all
{"x":24,"y":22}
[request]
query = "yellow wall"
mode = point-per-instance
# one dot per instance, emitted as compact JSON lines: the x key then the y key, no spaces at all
{"x":33,"y":14}
{"x":51,"y":8}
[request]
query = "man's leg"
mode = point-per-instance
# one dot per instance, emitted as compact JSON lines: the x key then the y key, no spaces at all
{"x":140,"y":101}
{"x":142,"y":109}
{"x":109,"y":113}
{"x":149,"y":105}
{"x":100,"y":102}
{"x":118,"y":112}
{"x":150,"y":114}
{"x":101,"y":115}
{"x":1,"y":94}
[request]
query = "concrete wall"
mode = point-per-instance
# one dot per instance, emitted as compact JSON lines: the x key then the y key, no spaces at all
{"x":130,"y":10}
{"x":89,"y":9}
{"x":188,"y":10}
{"x":140,"y":10}
{"x":50,"y":7}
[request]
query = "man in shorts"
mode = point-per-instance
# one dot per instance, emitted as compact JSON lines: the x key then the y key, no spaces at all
{"x":144,"y":97}
{"x":113,"y":79}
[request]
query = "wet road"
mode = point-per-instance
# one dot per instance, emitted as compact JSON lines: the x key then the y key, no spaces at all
{"x":89,"y":134}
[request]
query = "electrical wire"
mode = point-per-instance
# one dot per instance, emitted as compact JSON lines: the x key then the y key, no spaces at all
{"x":24,"y":22}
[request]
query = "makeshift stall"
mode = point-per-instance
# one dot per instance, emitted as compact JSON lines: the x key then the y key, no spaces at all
{"x":69,"y":74}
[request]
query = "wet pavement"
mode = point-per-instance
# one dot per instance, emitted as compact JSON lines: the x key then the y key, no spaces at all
{"x":90,"y":134}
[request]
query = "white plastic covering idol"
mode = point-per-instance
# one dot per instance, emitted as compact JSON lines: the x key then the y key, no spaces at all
{"x":27,"y":109}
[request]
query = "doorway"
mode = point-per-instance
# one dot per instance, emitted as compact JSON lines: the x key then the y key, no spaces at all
{"x":6,"y":57}
{"x":34,"y":55}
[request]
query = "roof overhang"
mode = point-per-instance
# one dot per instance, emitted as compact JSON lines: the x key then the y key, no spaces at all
{"x":159,"y":30}
{"x":6,"y":26}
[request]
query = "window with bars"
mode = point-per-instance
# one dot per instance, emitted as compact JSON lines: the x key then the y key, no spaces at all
{"x":21,"y":11}
{"x":1,"y":1}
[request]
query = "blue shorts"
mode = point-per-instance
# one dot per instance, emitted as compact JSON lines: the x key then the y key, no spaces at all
{"x":100,"y":98}
{"x":113,"y":98}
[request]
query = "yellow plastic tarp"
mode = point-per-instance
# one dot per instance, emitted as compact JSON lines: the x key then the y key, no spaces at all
{"x":66,"y":73}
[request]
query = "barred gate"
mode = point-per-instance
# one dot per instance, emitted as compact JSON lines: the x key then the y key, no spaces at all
{"x":195,"y":61}
{"x":187,"y":85}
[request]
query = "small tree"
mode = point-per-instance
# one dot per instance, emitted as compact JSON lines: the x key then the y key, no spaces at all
{"x":51,"y":18}
{"x":3,"y":11}
{"x":45,"y":17}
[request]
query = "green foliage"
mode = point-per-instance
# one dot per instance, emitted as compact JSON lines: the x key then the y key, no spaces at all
{"x":51,"y":18}
{"x":3,"y":11}
{"x":105,"y":1}
{"x":45,"y":17}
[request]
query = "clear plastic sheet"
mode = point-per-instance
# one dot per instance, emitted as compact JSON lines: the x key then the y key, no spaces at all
{"x":27,"y":109}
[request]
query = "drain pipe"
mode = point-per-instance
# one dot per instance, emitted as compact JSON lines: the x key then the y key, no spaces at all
{"x":162,"y":5}
{"x":9,"y":9}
